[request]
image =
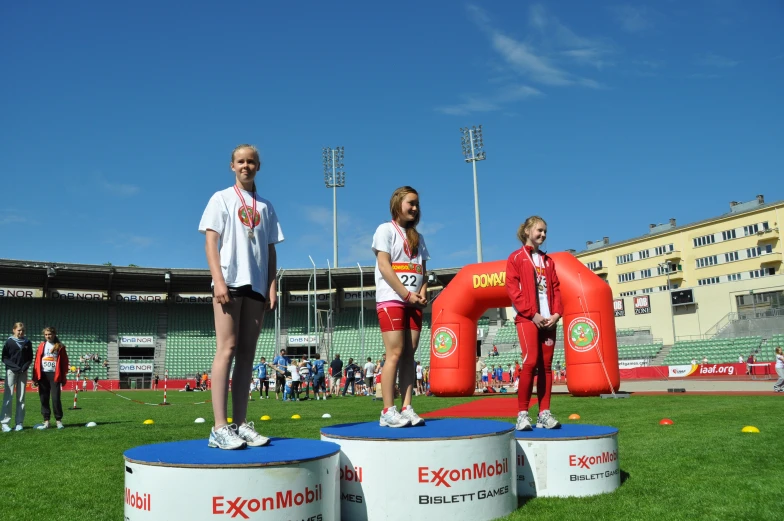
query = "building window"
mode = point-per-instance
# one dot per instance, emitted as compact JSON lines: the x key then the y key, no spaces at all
{"x":667,"y":268}
{"x":707,"y":261}
{"x":595,"y":265}
{"x":704,"y":240}
{"x":708,"y":281}
{"x":644,"y":254}
{"x":644,"y":274}
{"x":734,"y":276}
{"x":626,"y":277}
{"x":661,"y":250}
{"x":768,"y":248}
{"x":731,"y":256}
{"x":765,"y":226}
{"x":623,"y":259}
{"x":729,"y":234}
{"x":752,"y":252}
{"x":763,"y":272}
{"x":751,"y":229}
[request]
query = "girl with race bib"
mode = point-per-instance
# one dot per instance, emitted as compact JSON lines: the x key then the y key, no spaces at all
{"x":532,"y":285}
{"x":50,"y":371}
{"x":241,"y":230}
{"x":401,"y":295}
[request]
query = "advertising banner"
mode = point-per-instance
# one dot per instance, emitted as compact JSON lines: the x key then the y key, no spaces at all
{"x":79,"y":294}
{"x":135,"y":367}
{"x":301,"y":298}
{"x":618,"y":306}
{"x":125,"y":296}
{"x":303,"y":340}
{"x":6,"y":292}
{"x":630,"y":364}
{"x":193,"y":298}
{"x":137,"y":341}
{"x":710,"y":370}
{"x":642,"y":305}
{"x":356,"y":296}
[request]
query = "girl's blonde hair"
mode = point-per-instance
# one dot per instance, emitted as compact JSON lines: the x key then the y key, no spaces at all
{"x":522,"y":231}
{"x":57,"y":345}
{"x":779,"y":351}
{"x":18,"y":325}
{"x":245,"y":145}
{"x":396,"y":209}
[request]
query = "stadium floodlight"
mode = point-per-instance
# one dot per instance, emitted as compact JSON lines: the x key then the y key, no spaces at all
{"x":334,"y":177}
{"x":474,"y":150}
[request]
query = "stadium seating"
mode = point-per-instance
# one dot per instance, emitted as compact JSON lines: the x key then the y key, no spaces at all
{"x":717,"y":350}
{"x":138,"y":319}
{"x":638,"y":351}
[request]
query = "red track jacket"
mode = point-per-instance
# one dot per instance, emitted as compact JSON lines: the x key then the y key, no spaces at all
{"x":521,"y":284}
{"x":60,"y":371}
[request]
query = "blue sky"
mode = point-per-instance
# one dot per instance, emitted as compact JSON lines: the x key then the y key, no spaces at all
{"x":118,"y":120}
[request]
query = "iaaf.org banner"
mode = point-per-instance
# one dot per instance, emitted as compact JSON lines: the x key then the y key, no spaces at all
{"x":125,"y":296}
{"x":78,"y":294}
{"x":136,"y":367}
{"x":6,"y":292}
{"x":706,"y":370}
{"x":303,"y":340}
{"x":137,"y":341}
{"x":631,"y":364}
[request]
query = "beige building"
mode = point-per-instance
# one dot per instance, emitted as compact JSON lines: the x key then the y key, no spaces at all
{"x":684,"y":280}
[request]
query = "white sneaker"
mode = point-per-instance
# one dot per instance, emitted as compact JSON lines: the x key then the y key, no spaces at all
{"x":5,"y":420}
{"x":18,"y":427}
{"x":393,"y":419}
{"x":6,"y":428}
{"x":547,"y":421}
{"x":523,"y":421}
{"x":226,"y":438}
{"x":60,"y":425}
{"x":409,"y":414}
{"x":247,"y":432}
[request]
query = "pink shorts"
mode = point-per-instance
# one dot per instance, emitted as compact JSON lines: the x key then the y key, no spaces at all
{"x":394,"y":316}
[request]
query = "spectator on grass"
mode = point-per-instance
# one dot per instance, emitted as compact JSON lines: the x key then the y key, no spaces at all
{"x":351,"y":370}
{"x":336,"y":374}
{"x":155,"y":382}
{"x":419,"y":376}
{"x":295,"y":372}
{"x":485,"y":377}
{"x":479,"y":366}
{"x":370,"y":371}
{"x":17,"y":357}
{"x":557,"y":370}
{"x":50,"y":371}
{"x":318,"y":376}
{"x":305,"y":375}
{"x":704,"y":359}
{"x":282,"y":363}
{"x":779,"y":385}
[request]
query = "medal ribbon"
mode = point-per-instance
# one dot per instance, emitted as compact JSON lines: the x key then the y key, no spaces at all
{"x":539,"y":276}
{"x":251,"y":217}
{"x":406,"y":247}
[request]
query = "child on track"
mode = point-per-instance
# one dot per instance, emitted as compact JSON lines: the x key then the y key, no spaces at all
{"x":779,"y":385}
{"x":241,"y":231}
{"x":17,"y":357}
{"x":49,"y":373}
{"x":401,"y":295}
{"x":533,"y":287}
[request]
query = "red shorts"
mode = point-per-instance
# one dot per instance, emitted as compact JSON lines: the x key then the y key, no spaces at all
{"x":396,"y":318}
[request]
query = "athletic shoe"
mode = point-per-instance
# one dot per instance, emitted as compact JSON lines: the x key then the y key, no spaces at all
{"x":6,"y":428}
{"x":226,"y":438}
{"x":60,"y":425}
{"x":5,"y":420}
{"x":18,"y":427}
{"x":247,"y":432}
{"x":392,"y":418}
{"x":43,"y":426}
{"x":409,"y":414}
{"x":547,"y":421}
{"x":523,"y":421}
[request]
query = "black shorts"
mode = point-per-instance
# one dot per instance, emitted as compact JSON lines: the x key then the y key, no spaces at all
{"x":244,"y":291}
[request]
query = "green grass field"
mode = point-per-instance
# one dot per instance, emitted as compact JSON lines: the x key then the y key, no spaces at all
{"x":702,"y":467}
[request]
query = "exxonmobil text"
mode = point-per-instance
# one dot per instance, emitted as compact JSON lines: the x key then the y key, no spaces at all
{"x":446,"y":477}
{"x":285,"y":499}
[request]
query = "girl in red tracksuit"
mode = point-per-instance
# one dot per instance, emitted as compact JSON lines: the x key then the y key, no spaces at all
{"x":533,"y":287}
{"x":49,"y":373}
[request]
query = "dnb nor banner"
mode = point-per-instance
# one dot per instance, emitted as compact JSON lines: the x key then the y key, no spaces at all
{"x":303,"y":340}
{"x":136,"y":367}
{"x":137,"y":341}
{"x":6,"y":292}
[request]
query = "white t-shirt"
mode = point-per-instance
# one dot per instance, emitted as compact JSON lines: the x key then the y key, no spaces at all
{"x":779,"y":361}
{"x":541,"y":280}
{"x":484,"y":371}
{"x":419,"y":372}
{"x":740,"y":359}
{"x":389,"y":240}
{"x":244,"y":261}
{"x":294,"y":370}
{"x":49,"y":359}
{"x":370,"y":369}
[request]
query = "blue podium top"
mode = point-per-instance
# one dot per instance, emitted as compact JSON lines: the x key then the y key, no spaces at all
{"x":446,"y":429}
{"x":569,"y":431}
{"x":195,"y":453}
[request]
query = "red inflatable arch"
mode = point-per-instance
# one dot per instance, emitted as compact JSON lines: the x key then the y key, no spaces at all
{"x":590,"y":345}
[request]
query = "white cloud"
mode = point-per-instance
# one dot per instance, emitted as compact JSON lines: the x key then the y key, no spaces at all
{"x":12,"y":219}
{"x":492,"y":103}
{"x":714,"y":60}
{"x":120,"y":189}
{"x":633,"y":19}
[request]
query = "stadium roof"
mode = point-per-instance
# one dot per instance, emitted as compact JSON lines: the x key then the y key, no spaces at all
{"x":54,"y":275}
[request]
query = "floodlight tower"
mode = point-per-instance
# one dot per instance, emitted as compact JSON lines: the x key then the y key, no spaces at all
{"x":474,"y":150}
{"x":334,"y":177}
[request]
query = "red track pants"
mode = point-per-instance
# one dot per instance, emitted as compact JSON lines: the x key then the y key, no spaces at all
{"x":537,"y":347}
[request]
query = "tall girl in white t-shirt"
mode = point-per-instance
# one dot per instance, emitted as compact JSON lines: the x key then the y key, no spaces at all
{"x":779,"y":386}
{"x":242,"y":230}
{"x":401,"y":295}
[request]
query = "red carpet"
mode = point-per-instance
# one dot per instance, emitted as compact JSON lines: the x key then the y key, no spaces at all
{"x":491,"y":407}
